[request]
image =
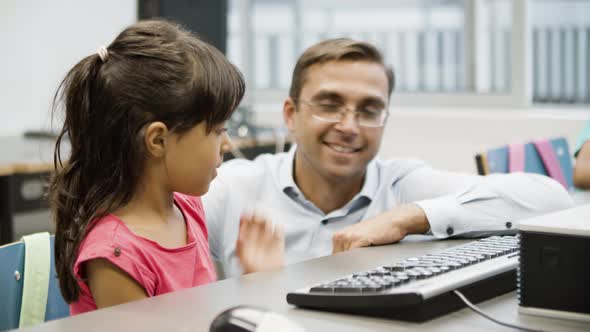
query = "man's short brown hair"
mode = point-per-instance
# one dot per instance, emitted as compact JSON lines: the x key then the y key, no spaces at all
{"x":340,"y":49}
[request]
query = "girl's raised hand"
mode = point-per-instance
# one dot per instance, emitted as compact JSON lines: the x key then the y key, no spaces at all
{"x":260,"y":246}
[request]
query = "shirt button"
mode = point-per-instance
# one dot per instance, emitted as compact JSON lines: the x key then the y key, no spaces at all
{"x":509,"y":225}
{"x":117,"y":251}
{"x":450,"y":230}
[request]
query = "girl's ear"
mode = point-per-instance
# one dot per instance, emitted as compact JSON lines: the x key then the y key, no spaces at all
{"x":155,"y":136}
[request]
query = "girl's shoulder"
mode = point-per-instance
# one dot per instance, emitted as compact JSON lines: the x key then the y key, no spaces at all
{"x":106,"y":230}
{"x":189,"y":203}
{"x":193,"y":210}
{"x":110,"y":239}
{"x":106,"y":233}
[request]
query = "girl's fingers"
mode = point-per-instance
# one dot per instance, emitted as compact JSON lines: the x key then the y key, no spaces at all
{"x":278,"y":236}
{"x":261,"y":244}
{"x":265,"y":227}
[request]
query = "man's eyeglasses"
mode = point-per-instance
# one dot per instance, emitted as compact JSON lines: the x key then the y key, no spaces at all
{"x":367,"y":116}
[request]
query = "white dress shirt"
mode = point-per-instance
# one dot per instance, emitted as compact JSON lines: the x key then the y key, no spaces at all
{"x":454,"y":203}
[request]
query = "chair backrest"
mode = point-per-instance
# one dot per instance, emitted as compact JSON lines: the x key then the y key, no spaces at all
{"x":548,"y":157}
{"x":12,"y":279}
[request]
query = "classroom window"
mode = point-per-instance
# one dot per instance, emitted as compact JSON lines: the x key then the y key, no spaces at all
{"x":561,"y":51}
{"x":451,"y":47}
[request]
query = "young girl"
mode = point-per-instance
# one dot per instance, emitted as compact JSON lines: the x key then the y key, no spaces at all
{"x":145,"y":122}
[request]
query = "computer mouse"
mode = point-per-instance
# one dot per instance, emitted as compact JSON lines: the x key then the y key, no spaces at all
{"x":250,"y":318}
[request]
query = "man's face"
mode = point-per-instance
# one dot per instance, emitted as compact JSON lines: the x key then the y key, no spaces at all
{"x":337,"y":150}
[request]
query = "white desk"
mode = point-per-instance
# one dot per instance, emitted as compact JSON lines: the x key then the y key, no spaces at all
{"x":194,"y":309}
{"x":581,"y":197}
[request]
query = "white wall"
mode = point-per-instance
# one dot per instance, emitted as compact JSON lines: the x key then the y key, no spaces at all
{"x":39,"y":42}
{"x":450,"y":138}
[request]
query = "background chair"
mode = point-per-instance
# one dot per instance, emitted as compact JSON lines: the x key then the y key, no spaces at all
{"x":12,"y":282}
{"x":549,"y":157}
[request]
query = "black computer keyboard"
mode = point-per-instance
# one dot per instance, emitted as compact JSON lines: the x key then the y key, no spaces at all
{"x":421,"y":288}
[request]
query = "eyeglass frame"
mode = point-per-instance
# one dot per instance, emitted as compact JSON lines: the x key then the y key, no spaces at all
{"x":342,"y":111}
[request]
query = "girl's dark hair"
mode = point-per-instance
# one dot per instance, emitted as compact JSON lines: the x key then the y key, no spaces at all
{"x":153,"y":71}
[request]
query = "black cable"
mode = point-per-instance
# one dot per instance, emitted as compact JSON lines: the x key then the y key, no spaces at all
{"x":477,"y":310}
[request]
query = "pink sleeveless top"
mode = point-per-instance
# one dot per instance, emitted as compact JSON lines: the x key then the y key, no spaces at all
{"x":157,"y":269}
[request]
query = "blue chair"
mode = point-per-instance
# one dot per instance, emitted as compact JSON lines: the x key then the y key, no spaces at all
{"x":12,"y":280}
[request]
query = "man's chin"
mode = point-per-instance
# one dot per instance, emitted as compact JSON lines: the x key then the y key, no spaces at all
{"x":343,"y":173}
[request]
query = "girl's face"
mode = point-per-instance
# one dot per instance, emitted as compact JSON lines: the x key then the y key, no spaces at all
{"x":193,"y":156}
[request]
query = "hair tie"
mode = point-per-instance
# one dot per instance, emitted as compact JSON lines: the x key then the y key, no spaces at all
{"x":103,"y":53}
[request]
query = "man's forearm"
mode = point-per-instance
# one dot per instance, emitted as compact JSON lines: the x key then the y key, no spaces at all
{"x":412,"y":219}
{"x":388,"y":227}
{"x":582,"y":168}
{"x":582,"y":174}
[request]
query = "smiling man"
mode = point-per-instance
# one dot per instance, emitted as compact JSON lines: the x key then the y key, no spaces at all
{"x":329,"y":192}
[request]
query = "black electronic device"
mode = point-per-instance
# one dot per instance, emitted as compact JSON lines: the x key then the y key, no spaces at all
{"x":420,"y":288}
{"x":554,"y":270}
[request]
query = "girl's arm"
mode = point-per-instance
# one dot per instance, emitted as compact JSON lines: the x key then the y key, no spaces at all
{"x":110,"y":285}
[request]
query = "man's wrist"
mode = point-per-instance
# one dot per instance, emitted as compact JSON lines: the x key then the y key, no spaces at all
{"x":414,"y":220}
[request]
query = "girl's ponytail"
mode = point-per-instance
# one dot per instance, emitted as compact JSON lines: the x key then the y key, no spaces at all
{"x":67,"y":185}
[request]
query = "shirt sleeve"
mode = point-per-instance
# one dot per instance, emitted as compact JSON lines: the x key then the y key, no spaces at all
{"x":473,"y":205}
{"x":215,"y":203}
{"x":121,"y":254}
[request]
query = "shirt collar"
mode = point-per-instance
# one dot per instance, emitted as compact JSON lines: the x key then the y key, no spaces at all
{"x":371,"y":184}
{"x":287,"y":182}
{"x":286,"y":171}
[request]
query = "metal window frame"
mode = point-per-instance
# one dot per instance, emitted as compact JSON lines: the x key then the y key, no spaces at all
{"x":519,"y":96}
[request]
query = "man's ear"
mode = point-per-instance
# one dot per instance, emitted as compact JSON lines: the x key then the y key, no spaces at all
{"x":155,"y":136}
{"x":289,"y":110}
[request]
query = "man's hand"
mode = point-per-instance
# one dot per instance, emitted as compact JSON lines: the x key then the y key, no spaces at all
{"x":259,"y":247}
{"x":388,"y":227}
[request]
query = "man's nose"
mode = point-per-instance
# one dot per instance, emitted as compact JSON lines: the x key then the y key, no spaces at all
{"x":348,"y":122}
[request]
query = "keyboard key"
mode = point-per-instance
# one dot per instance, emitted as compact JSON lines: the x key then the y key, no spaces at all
{"x":372,"y":288}
{"x":444,"y":268}
{"x":435,"y":270}
{"x":403,"y":279}
{"x":395,"y":267}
